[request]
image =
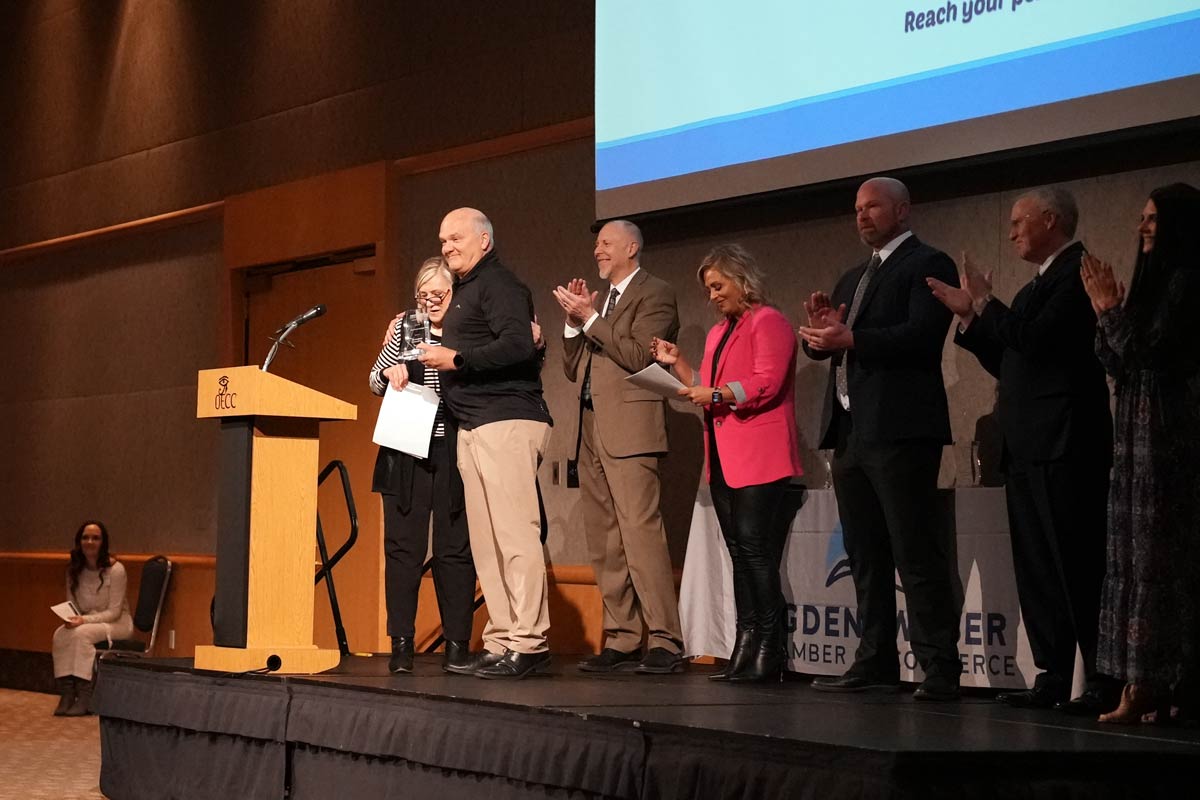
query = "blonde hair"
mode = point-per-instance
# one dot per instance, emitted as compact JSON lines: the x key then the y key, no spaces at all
{"x":429,"y":268}
{"x":735,"y":262}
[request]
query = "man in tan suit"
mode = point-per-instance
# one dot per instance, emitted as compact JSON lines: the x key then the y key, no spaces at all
{"x":622,"y":435}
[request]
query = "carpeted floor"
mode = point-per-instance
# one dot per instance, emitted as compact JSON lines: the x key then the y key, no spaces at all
{"x":43,"y":757}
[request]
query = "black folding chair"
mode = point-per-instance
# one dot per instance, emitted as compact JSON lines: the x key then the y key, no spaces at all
{"x":156,"y":575}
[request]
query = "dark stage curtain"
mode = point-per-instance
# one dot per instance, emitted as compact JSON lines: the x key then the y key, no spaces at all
{"x":190,"y":736}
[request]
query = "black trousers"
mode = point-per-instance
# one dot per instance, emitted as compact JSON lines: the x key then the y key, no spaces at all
{"x":406,"y":541}
{"x":1057,"y":521}
{"x":754,"y":522}
{"x":895,"y":520}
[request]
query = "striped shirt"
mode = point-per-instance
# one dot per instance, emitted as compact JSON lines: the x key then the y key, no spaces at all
{"x":389,"y":356}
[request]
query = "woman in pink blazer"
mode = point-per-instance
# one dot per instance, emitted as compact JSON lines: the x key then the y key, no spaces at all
{"x":746,"y":386}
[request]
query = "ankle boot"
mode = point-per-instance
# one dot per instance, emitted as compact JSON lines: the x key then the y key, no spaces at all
{"x":66,"y":692}
{"x":766,"y":662}
{"x":743,"y":649}
{"x":81,"y":706}
{"x":402,"y":655}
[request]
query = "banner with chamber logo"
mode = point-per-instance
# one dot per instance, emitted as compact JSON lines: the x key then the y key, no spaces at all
{"x":823,"y":620}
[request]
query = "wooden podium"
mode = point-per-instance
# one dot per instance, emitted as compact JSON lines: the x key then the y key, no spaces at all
{"x":266,"y":519}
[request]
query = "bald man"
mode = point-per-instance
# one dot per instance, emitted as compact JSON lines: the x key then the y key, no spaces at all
{"x":622,"y":435}
{"x":886,"y":419}
{"x":491,"y":384}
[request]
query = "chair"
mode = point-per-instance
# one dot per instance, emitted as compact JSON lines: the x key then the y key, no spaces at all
{"x":156,"y":575}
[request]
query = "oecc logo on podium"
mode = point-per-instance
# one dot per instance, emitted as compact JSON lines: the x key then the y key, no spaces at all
{"x":225,"y":400}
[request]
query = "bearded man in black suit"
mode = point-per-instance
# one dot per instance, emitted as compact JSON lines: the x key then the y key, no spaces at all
{"x":886,"y":419}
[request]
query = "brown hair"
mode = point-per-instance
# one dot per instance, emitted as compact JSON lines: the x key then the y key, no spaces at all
{"x":78,"y":563}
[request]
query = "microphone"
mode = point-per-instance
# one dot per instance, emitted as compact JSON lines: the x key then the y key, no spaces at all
{"x":280,"y":335}
{"x":307,"y":316}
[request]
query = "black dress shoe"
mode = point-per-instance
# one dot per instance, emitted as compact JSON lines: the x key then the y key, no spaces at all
{"x":660,"y":661}
{"x":475,"y":662}
{"x":610,"y":660}
{"x":938,"y":689}
{"x":1037,"y":697}
{"x":514,"y":666}
{"x":457,"y":655}
{"x":402,"y":655}
{"x":854,"y":683}
{"x":1091,"y":703}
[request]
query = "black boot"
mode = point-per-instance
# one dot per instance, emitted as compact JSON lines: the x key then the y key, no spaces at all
{"x":766,"y":664}
{"x":82,"y":705}
{"x":743,"y":649}
{"x":66,"y":691}
{"x":457,"y":655}
{"x":402,"y":654}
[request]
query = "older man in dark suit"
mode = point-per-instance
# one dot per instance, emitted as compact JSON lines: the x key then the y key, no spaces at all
{"x":886,"y":420}
{"x":623,"y":433}
{"x":1053,"y":409}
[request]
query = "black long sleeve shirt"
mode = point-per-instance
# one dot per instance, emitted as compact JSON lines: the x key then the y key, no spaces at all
{"x":499,"y":372}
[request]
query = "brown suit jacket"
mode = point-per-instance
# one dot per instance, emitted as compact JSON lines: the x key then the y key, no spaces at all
{"x":629,"y":420}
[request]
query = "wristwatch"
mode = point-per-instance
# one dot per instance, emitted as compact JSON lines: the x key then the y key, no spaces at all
{"x":717,"y":398}
{"x":459,"y":361}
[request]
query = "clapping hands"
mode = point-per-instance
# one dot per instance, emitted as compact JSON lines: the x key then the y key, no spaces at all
{"x":826,"y":328}
{"x":1104,"y":290}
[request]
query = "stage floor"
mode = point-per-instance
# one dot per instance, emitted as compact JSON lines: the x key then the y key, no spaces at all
{"x":628,"y":735}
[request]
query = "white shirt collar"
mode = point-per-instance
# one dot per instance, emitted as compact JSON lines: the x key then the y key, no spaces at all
{"x":891,"y":246}
{"x":1046,"y":264}
{"x":623,"y":285}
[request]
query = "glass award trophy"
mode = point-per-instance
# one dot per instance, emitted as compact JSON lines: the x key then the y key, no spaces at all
{"x":413,"y":331}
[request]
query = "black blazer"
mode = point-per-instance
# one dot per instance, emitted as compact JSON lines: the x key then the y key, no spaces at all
{"x":394,"y":470}
{"x":1053,"y":399}
{"x":894,"y":372}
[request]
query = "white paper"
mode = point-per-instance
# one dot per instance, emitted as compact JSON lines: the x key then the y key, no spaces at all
{"x":657,"y":380}
{"x":66,"y":611}
{"x":405,"y":420}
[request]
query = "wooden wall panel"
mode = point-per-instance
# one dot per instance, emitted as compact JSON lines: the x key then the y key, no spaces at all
{"x":327,"y":213}
{"x":35,"y":581}
{"x":111,"y":112}
{"x":101,"y":345}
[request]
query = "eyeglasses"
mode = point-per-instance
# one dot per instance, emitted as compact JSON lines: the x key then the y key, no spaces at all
{"x":437,"y":297}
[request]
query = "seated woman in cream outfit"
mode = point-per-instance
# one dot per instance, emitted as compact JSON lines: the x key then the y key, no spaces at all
{"x":96,"y":585}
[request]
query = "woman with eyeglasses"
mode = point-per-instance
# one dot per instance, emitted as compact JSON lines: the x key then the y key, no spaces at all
{"x":96,"y":592}
{"x":414,"y":488}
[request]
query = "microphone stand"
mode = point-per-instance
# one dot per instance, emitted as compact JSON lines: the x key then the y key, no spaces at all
{"x":278,"y":340}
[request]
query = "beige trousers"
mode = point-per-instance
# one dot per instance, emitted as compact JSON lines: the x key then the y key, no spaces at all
{"x":499,"y":462}
{"x":628,"y":545}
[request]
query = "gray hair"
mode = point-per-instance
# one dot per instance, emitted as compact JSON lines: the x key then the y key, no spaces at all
{"x":633,"y":231}
{"x":1059,"y":202}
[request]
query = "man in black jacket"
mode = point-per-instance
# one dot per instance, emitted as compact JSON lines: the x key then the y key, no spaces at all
{"x":886,"y":419}
{"x":1053,"y":409}
{"x":491,"y":384}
